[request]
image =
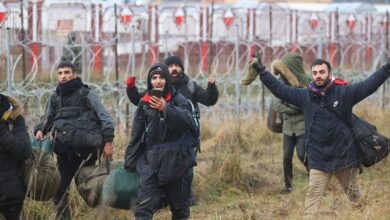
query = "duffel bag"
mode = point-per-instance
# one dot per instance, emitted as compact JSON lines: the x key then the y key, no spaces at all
{"x":41,"y":176}
{"x":120,"y":189}
{"x":90,"y":179}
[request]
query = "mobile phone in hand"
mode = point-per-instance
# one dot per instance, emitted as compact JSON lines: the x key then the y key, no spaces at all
{"x":156,"y":92}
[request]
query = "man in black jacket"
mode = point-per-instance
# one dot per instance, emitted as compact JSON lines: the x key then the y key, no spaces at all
{"x":329,"y":141}
{"x":160,"y":147}
{"x":15,"y":148}
{"x":81,"y":126}
{"x":190,"y":90}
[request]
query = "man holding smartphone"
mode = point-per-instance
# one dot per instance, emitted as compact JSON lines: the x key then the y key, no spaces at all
{"x":160,"y":147}
{"x":190,"y":90}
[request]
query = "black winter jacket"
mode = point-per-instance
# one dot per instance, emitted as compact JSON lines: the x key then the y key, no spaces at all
{"x":15,"y":148}
{"x":158,"y":145}
{"x":96,"y":117}
{"x":329,"y":142}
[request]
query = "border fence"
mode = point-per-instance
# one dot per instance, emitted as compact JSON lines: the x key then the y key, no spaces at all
{"x":115,"y":41}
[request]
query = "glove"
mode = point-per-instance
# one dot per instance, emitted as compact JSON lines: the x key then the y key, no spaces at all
{"x":255,"y":68}
{"x":257,"y":64}
{"x":130,"y":82}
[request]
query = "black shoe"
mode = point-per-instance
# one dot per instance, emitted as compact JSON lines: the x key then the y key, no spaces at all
{"x":286,"y":190}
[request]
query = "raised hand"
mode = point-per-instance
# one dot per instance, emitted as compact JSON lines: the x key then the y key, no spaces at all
{"x":130,"y":82}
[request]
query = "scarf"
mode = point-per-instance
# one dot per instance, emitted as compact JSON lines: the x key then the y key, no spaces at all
{"x":66,"y":88}
{"x":321,"y":91}
{"x":146,"y":97}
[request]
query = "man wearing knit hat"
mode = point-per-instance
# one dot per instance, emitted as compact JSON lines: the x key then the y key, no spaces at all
{"x":189,"y":89}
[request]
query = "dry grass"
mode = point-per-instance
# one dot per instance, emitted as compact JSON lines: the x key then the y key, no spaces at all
{"x":239,"y":176}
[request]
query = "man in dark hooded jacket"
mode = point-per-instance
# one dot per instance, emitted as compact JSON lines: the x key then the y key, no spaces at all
{"x":15,"y":148}
{"x":160,"y":147}
{"x":329,"y":141}
{"x":81,"y":126}
{"x":190,"y":90}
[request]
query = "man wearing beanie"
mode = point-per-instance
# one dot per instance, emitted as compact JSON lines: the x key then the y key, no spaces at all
{"x":189,"y":89}
{"x":15,"y":148}
{"x":81,"y":126}
{"x":160,"y":147}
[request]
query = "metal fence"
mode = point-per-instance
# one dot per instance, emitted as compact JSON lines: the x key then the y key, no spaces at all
{"x":115,"y":41}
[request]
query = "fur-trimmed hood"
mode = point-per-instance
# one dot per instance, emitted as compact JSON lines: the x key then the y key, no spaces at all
{"x":290,"y":67}
{"x":16,"y":107}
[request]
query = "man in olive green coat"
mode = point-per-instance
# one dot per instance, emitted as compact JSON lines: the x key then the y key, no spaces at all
{"x":291,"y":72}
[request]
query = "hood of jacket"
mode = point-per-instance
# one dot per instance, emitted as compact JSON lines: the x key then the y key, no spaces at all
{"x":16,"y":107}
{"x":290,"y":67}
{"x":163,"y":69}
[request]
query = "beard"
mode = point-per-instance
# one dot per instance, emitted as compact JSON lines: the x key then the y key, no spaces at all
{"x":175,"y":76}
{"x":323,"y":85}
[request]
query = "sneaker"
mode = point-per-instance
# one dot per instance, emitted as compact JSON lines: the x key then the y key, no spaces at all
{"x":286,"y":190}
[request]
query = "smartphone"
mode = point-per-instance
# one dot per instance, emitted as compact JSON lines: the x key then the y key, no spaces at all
{"x":156,"y":92}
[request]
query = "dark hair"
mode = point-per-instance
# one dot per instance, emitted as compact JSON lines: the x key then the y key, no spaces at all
{"x":66,"y":64}
{"x":320,"y":62}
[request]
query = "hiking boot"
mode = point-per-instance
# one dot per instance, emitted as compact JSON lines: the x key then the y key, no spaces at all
{"x":286,"y":190}
{"x":251,"y":75}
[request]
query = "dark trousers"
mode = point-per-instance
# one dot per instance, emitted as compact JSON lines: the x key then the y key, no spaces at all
{"x":68,"y":165}
{"x":190,"y":175}
{"x":12,"y":212}
{"x":289,"y":142}
{"x":150,"y":194}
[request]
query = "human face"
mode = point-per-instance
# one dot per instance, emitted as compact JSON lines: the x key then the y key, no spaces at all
{"x":65,"y":74}
{"x":320,"y":74}
{"x":158,"y":81}
{"x":175,"y":70}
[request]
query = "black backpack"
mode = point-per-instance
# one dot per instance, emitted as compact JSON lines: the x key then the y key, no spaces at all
{"x":372,"y":146}
{"x":195,"y":128}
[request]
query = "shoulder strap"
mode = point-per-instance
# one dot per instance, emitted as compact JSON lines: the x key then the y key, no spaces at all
{"x":191,"y":86}
{"x":194,"y":114}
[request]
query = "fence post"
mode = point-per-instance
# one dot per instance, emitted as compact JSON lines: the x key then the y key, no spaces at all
{"x":238,"y":75}
{"x":9,"y":61}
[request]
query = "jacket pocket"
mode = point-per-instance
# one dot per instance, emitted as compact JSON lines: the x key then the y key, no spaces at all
{"x":171,"y":164}
{"x":12,"y":191}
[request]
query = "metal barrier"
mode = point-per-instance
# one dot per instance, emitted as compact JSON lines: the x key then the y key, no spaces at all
{"x":112,"y":42}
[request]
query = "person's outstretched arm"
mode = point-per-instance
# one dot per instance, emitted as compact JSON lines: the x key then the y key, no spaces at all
{"x":359,"y":91}
{"x":132,"y":91}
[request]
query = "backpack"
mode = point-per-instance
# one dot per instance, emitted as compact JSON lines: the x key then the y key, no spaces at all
{"x":195,"y":128}
{"x":274,"y":120}
{"x":72,"y":131}
{"x":372,"y":146}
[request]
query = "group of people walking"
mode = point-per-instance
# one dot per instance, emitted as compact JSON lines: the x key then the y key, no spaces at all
{"x":163,"y":144}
